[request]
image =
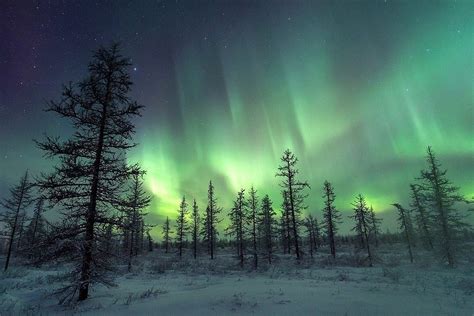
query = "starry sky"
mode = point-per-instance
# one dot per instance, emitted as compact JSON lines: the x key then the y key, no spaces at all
{"x":357,"y":90}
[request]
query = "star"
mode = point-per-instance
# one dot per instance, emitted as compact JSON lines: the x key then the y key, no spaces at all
{"x":134,"y":68}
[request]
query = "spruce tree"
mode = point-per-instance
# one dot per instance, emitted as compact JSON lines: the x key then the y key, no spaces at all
{"x":332,"y":217}
{"x":20,"y":198}
{"x":293,"y":189}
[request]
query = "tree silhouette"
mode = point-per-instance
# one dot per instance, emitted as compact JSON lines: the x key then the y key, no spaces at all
{"x":182,"y":227}
{"x":312,"y":230}
{"x":88,"y":179}
{"x":252,"y":204}
{"x":195,"y":227}
{"x":133,"y":208}
{"x":237,"y":227}
{"x":267,"y":224}
{"x":442,"y":196}
{"x":331,"y":216}
{"x":293,"y":190}
{"x":374,"y":226}
{"x":20,"y":198}
{"x":404,"y":219}
{"x":166,"y":234}
{"x":362,"y":224}
{"x":422,"y":216}
{"x":211,"y":220}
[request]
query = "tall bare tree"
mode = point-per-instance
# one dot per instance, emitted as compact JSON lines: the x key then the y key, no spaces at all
{"x":87,"y":182}
{"x":294,"y":190}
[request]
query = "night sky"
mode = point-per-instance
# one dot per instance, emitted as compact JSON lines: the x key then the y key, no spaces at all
{"x":356,"y":90}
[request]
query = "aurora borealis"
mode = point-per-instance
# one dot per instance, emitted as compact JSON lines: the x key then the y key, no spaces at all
{"x":357,"y":90}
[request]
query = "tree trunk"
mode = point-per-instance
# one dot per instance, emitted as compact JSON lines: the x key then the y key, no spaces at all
{"x":91,"y":212}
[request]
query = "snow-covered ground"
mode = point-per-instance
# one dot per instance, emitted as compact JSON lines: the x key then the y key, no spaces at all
{"x":163,"y":285}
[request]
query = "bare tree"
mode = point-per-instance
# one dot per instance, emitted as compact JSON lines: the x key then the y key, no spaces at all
{"x":374,"y":226}
{"x":237,"y":227}
{"x":362,"y":224}
{"x":252,"y":204}
{"x":422,"y":216}
{"x":211,"y":220}
{"x":266,"y":226}
{"x":20,"y":198}
{"x":293,"y":189}
{"x":182,"y":226}
{"x":312,"y":230}
{"x":195,"y":228}
{"x":331,"y":215}
{"x":443,"y":196}
{"x":91,"y":171}
{"x":404,"y":219}
{"x":286,"y":224}
{"x":167,"y":234}
{"x":134,"y":209}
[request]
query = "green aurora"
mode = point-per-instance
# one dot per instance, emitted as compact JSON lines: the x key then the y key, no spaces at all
{"x":357,"y":90}
{"x":357,"y":117}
